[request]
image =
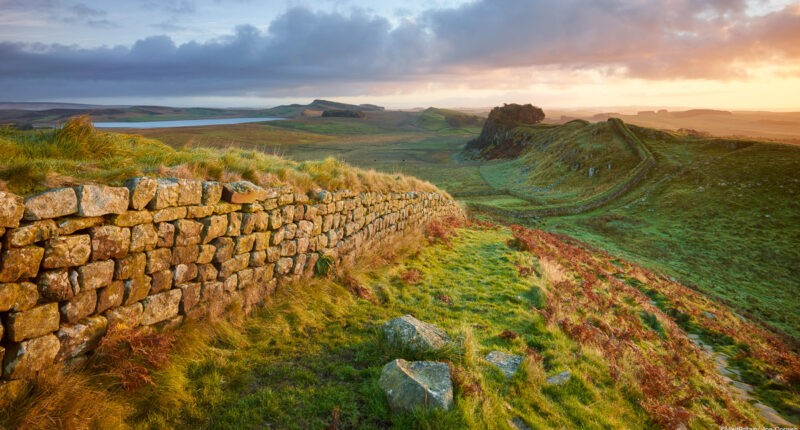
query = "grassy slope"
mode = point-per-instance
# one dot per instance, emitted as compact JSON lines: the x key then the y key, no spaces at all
{"x":317,"y":351}
{"x":77,"y":153}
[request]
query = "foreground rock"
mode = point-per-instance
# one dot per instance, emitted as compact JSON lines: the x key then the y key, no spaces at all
{"x":414,"y":335}
{"x":560,"y":379}
{"x":416,"y":384}
{"x":507,"y":363}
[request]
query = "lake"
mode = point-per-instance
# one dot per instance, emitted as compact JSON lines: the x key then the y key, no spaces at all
{"x":181,"y":123}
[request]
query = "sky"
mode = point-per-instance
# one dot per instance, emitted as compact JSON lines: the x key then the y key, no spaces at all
{"x":731,"y":54}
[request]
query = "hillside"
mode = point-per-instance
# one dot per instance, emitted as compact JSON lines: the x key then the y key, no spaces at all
{"x":701,"y":198}
{"x":632,"y":343}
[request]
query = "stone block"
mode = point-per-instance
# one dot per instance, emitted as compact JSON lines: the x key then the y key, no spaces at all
{"x":184,"y":273}
{"x":80,"y":338}
{"x":110,"y":297}
{"x":51,"y":204}
{"x":224,"y":249}
{"x":169,"y":214}
{"x":261,"y":241}
{"x":67,"y":226}
{"x":230,"y":283}
{"x":190,"y":296}
{"x":55,"y":285}
{"x":234,"y":224}
{"x":190,"y":191}
{"x":299,"y":264}
{"x":109,"y":242}
{"x":144,"y":237}
{"x":212,"y":192}
{"x":244,"y":243}
{"x":211,"y":292}
{"x":287,"y":213}
{"x":185,"y":254}
{"x":161,"y":307}
{"x":23,"y":360}
{"x":82,"y":305}
{"x":207,"y":272}
{"x":166,"y":195}
{"x":141,"y":191}
{"x":18,"y":297}
{"x":34,"y":322}
{"x":273,"y":254}
{"x":214,"y":227}
{"x":28,"y":234}
{"x":258,"y":258}
{"x":233,"y":265}
{"x":246,"y":278}
{"x":206,"y":254}
{"x":187,"y":232}
{"x":158,"y":259}
{"x":302,"y":245}
{"x":67,"y":251}
{"x":288,"y":248}
{"x":199,"y":211}
{"x":242,"y":192}
{"x":284,"y":266}
{"x":277,"y":236}
{"x":125,"y":316}
{"x":99,"y":200}
{"x":12,"y":207}
{"x":136,"y":289}
{"x":166,"y":235}
{"x":131,"y":266}
{"x":275,"y":219}
{"x":161,"y":281}
{"x":226,"y":208}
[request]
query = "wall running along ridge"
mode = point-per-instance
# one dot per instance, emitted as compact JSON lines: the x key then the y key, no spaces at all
{"x":76,"y":261}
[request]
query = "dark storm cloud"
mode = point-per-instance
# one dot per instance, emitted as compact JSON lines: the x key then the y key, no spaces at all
{"x":304,"y":49}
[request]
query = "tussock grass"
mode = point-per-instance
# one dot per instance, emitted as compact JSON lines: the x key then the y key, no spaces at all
{"x":77,"y":153}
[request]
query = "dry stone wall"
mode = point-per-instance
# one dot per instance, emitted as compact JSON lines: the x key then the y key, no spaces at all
{"x":76,"y":261}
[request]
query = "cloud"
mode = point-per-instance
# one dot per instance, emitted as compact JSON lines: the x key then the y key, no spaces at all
{"x":303,"y":50}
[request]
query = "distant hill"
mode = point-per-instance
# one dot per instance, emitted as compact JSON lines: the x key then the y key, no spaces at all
{"x":48,"y":114}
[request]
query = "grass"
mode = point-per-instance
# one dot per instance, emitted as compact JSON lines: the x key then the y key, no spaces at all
{"x":77,"y":153}
{"x":313,"y":357}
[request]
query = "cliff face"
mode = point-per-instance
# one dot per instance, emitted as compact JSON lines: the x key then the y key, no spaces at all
{"x":498,"y":138}
{"x":75,"y":262}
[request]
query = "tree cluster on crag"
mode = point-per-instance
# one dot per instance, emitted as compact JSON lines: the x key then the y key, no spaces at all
{"x":516,"y":114}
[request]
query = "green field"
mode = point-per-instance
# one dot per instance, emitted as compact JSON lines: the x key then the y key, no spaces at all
{"x":722,"y":215}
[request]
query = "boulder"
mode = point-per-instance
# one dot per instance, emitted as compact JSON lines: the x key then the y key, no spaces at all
{"x":415,"y":335}
{"x":242,"y":192}
{"x":19,"y":263}
{"x":82,"y":337}
{"x":24,"y":359}
{"x":67,"y":251}
{"x":12,"y":208}
{"x":416,"y":385}
{"x":142,"y":190}
{"x":99,"y":200}
{"x":507,"y":363}
{"x":51,"y":204}
{"x":160,"y":307}
{"x":560,"y":379}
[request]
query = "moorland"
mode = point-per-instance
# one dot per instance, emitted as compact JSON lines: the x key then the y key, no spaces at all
{"x":689,"y":239}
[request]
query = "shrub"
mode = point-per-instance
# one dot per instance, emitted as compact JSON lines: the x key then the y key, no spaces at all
{"x":324,"y":265}
{"x":130,"y":354}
